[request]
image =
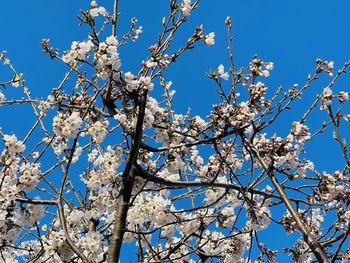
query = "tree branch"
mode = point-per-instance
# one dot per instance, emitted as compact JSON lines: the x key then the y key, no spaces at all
{"x":315,"y":246}
{"x":127,"y":183}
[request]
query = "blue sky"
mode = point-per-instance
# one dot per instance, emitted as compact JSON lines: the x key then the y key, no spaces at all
{"x":292,"y":34}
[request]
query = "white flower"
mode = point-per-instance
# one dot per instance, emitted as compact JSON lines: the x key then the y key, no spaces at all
{"x":327,"y":92}
{"x":347,"y":215}
{"x":186,"y":7}
{"x":70,"y":56}
{"x":235,"y":247}
{"x":79,"y":50}
{"x":209,"y":39}
{"x":93,"y":4}
{"x":136,"y":34}
{"x":107,"y":58}
{"x":199,"y":122}
{"x":30,"y":175}
{"x":102,"y":11}
{"x":222,"y":74}
{"x":13,"y":145}
{"x":269,"y":65}
{"x":146,"y":82}
{"x":330,"y":64}
{"x":300,"y":132}
{"x":111,"y":40}
{"x":44,"y":106}
{"x":75,"y":216}
{"x":92,"y":242}
{"x":265,"y":73}
{"x":261,"y":219}
{"x":343,"y":96}
{"x":148,"y":119}
{"x":67,"y":126}
{"x":94,"y":12}
{"x":77,"y":154}
{"x":98,"y":130}
{"x":151,"y":63}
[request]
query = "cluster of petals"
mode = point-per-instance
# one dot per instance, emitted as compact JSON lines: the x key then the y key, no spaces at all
{"x":78,"y":51}
{"x":98,"y":130}
{"x":186,"y":7}
{"x":209,"y":39}
{"x":95,"y":11}
{"x":107,"y":58}
{"x":132,"y":83}
{"x":67,"y":125}
{"x":221,"y":72}
{"x":300,"y":132}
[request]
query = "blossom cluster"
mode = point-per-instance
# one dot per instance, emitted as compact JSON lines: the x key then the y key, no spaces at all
{"x":186,"y":7}
{"x":132,"y":83}
{"x":78,"y":51}
{"x":98,"y":130}
{"x":193,"y":187}
{"x":222,"y":74}
{"x":300,"y":132}
{"x":17,"y":177}
{"x":107,"y":58}
{"x":237,"y":117}
{"x":95,"y":11}
{"x":105,"y":167}
{"x":67,"y":125}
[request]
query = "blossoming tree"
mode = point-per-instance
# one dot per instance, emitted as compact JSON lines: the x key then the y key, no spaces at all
{"x":180,"y":188}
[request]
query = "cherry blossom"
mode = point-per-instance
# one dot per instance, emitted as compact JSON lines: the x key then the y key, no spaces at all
{"x":109,"y":158}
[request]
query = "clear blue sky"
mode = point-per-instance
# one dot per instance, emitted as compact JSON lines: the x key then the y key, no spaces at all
{"x":292,"y":34}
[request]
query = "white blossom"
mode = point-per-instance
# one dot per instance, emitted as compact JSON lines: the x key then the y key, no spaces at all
{"x":209,"y":39}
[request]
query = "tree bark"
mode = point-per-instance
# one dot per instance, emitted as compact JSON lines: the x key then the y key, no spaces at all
{"x":126,"y":186}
